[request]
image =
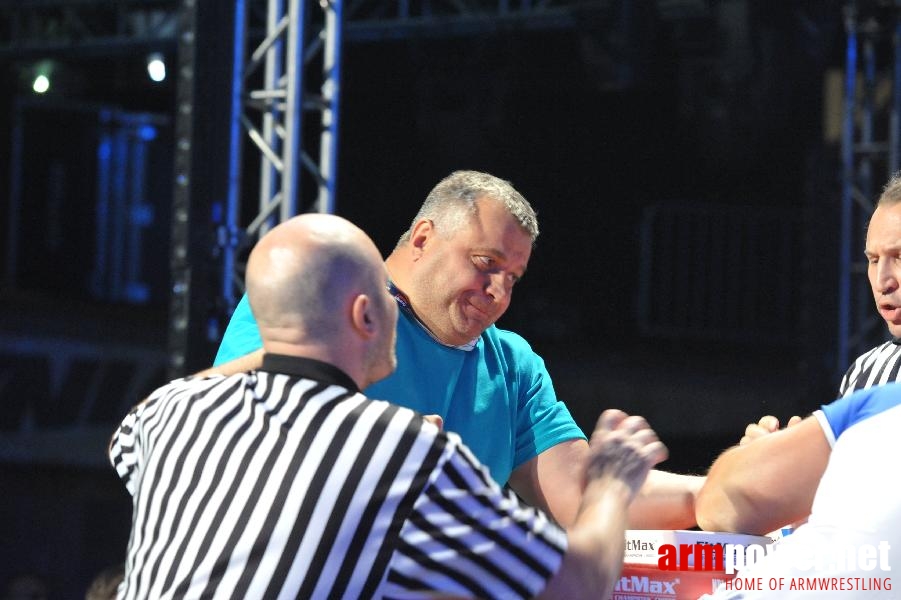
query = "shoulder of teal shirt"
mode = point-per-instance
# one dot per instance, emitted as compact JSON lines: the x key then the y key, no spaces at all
{"x":542,"y":420}
{"x":242,"y":336}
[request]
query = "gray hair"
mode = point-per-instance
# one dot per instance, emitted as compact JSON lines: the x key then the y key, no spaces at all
{"x":891,"y":193}
{"x":451,"y":203}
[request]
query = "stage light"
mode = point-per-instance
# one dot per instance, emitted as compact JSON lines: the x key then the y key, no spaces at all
{"x":41,"y":74}
{"x":40,"y":84}
{"x":156,"y":67}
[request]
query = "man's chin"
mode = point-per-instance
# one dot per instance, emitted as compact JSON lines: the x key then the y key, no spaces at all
{"x":462,"y":332}
{"x":476,"y":320}
{"x":472,"y":333}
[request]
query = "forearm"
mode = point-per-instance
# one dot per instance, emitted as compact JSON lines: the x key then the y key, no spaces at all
{"x":596,"y":541}
{"x":665,"y":501}
{"x":552,"y":481}
{"x":732,"y":501}
{"x":747,"y":488}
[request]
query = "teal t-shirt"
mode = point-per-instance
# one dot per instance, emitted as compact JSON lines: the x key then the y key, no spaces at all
{"x":498,"y":396}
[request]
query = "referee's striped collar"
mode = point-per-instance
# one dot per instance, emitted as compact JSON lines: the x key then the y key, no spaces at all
{"x":309,"y":368}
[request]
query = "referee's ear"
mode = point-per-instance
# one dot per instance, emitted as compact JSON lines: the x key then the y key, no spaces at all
{"x":362,"y":317}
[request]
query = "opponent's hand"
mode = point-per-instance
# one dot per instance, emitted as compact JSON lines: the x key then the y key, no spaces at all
{"x":766,"y":425}
{"x":623,"y":447}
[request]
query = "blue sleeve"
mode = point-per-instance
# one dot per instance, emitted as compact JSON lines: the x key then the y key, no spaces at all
{"x":242,"y":336}
{"x":543,"y":420}
{"x":843,"y":413}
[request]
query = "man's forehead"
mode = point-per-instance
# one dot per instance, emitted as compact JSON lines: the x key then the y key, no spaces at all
{"x":503,"y":237}
{"x":885,"y":221}
{"x":883,"y":244}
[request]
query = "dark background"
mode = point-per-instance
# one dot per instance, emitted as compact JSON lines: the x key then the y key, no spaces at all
{"x":595,"y":125}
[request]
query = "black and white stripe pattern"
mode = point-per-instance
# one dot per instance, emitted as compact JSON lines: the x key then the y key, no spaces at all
{"x":267,"y":485}
{"x":878,"y":366}
{"x":496,"y":548}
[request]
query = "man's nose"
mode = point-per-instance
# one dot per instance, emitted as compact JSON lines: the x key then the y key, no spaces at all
{"x":887,"y":277}
{"x":496,"y":287}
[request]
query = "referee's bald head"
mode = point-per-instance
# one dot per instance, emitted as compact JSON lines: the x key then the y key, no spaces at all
{"x":316,"y":283}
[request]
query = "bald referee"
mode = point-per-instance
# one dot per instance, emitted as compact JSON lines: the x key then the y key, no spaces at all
{"x":287,"y":482}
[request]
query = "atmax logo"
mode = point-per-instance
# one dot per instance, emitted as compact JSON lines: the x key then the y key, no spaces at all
{"x":632,"y":545}
{"x":645,"y":584}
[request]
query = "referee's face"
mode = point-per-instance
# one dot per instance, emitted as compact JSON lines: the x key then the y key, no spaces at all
{"x":883,"y":252}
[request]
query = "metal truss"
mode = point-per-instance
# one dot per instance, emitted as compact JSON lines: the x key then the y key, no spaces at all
{"x":282,"y":102}
{"x":49,"y":28}
{"x":870,"y":154}
{"x":41,"y":28}
{"x":292,"y":72}
{"x":379,"y":20}
{"x":369,"y":20}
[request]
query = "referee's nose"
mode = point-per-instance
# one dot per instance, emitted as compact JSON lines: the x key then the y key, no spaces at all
{"x":886,"y":277}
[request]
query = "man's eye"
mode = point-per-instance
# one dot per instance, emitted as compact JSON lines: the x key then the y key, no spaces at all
{"x":484,"y":261}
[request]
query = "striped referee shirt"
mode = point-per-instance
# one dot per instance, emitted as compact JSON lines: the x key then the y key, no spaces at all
{"x":876,"y":367}
{"x":289,"y":483}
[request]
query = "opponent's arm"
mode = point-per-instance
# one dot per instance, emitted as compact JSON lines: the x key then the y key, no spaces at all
{"x":666,"y":501}
{"x":760,"y":486}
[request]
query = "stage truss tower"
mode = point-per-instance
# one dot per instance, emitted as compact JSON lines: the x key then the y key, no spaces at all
{"x":274,"y":66}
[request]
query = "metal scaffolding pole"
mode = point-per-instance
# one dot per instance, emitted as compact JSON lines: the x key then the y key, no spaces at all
{"x":869,"y":157}
{"x":299,"y":36}
{"x":262,"y":98}
{"x":331,"y":94}
{"x":207,"y":176}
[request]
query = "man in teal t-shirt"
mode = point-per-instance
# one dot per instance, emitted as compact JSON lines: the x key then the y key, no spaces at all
{"x":497,"y":394}
{"x":453,"y":273}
